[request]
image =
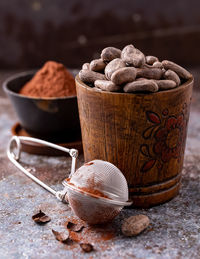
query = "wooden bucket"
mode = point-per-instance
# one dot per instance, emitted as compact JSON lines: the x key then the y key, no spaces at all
{"x":144,"y":135}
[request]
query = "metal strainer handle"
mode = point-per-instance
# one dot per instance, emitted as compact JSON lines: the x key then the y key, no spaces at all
{"x":15,"y":157}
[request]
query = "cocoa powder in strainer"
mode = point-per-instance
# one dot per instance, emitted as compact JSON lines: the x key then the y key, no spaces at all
{"x":100,"y":213}
{"x":99,"y":192}
{"x":91,"y":190}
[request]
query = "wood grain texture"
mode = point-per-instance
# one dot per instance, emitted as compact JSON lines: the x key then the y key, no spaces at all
{"x":142,"y":134}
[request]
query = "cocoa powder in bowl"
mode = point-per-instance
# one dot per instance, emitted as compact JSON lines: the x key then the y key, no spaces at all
{"x":52,"y":80}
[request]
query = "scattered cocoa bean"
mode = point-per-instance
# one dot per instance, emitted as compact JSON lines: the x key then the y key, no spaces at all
{"x":62,"y":236}
{"x":97,"y":65}
{"x":106,"y":85}
{"x":133,"y":56}
{"x":149,"y":73}
{"x":41,"y":218}
{"x":86,"y":66}
{"x":165,"y":84}
{"x":123,"y":75}
{"x":180,"y":71}
{"x":151,"y":59}
{"x":141,"y":85}
{"x":114,"y":65}
{"x":86,"y":247}
{"x":74,"y":227}
{"x":134,"y":225}
{"x":157,"y":64}
{"x":110,"y":53}
{"x":88,"y":76}
{"x":171,"y":75}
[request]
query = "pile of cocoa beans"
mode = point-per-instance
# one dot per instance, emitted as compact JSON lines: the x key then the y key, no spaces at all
{"x":129,"y":70}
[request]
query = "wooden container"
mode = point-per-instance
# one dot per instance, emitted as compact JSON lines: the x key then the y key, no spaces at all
{"x":144,"y":135}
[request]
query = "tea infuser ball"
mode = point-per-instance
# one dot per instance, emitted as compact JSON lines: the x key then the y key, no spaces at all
{"x":97,"y":192}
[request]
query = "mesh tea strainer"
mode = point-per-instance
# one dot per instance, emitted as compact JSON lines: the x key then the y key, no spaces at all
{"x":96,"y":192}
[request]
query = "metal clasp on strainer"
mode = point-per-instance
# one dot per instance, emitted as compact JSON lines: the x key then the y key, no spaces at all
{"x":14,"y":152}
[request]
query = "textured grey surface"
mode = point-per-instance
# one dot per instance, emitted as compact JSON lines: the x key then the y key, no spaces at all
{"x":175,"y":226}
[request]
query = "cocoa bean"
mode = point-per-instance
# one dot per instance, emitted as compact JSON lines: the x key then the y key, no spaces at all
{"x":107,"y":85}
{"x":97,"y":65}
{"x":88,"y":76}
{"x":123,"y":75}
{"x":149,"y":73}
{"x":86,"y":66}
{"x":171,"y":75}
{"x":133,"y":56}
{"x":114,"y":65}
{"x":141,"y":85}
{"x":151,"y":59}
{"x":110,"y":53}
{"x":134,"y":225}
{"x":180,"y":71}
{"x":157,"y":64}
{"x":165,"y":84}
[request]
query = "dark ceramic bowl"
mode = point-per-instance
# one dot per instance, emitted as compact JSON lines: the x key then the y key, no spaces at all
{"x":46,"y":118}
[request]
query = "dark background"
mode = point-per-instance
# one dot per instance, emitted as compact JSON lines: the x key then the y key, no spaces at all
{"x":74,"y":31}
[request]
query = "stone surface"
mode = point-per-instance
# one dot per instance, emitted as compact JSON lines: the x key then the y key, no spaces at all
{"x":174,"y":231}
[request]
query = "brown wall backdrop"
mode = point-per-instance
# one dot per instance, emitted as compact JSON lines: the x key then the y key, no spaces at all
{"x":74,"y":31}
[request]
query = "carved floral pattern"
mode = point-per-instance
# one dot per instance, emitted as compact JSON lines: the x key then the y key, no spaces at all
{"x":169,"y":133}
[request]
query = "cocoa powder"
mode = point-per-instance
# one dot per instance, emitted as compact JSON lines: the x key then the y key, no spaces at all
{"x":52,"y":80}
{"x":93,"y":192}
{"x":96,"y":214}
{"x":96,"y":235}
